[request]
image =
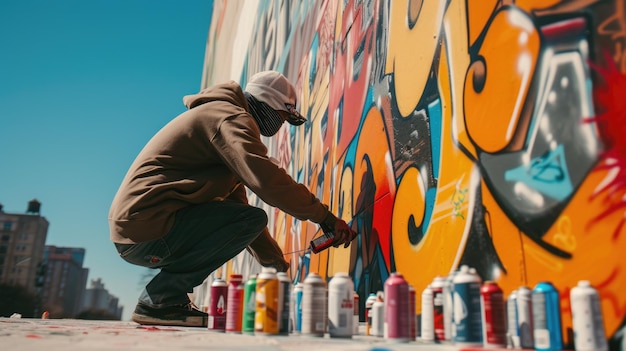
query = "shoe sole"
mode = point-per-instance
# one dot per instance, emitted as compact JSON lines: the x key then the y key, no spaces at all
{"x":188,"y":322}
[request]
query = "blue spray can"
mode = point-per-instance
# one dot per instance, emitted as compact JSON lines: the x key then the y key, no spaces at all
{"x":467,"y":312}
{"x":297,"y":308}
{"x":547,"y":318}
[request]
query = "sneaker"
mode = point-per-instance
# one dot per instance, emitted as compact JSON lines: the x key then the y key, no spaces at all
{"x":187,"y":315}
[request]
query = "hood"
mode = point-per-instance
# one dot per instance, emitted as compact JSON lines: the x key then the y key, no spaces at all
{"x":230,"y":92}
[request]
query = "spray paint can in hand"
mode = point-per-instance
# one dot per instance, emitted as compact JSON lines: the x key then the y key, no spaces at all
{"x":266,"y":316}
{"x":493,"y":315}
{"x":355,"y":316}
{"x":525,"y":317}
{"x":587,"y":321}
{"x":217,"y":307}
{"x":284,"y":295}
{"x":249,"y":305}
{"x":340,"y":306}
{"x":467,"y":314}
{"x":437,"y":288}
{"x":396,"y":305}
{"x":428,"y":323}
{"x":378,"y":315}
{"x":547,"y":330}
{"x":234,"y":306}
{"x":313,"y":305}
{"x":297,"y":308}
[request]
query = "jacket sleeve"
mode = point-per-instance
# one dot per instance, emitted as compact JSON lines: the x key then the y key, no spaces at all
{"x":264,"y":248}
{"x":239,"y":145}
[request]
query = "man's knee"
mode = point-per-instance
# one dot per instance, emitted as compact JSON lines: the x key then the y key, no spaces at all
{"x":257,"y":218}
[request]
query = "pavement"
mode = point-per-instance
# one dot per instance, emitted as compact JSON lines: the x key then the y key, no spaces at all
{"x":18,"y":334}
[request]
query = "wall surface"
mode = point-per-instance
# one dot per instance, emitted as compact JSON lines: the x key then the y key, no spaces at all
{"x":448,"y":132}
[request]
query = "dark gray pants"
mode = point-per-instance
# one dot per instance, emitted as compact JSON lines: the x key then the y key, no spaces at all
{"x":202,"y":239}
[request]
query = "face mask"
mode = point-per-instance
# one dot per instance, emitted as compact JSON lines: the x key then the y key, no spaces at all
{"x":267,"y":118}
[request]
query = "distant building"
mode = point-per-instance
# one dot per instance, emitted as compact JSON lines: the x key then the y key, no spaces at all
{"x":97,"y":297}
{"x":65,"y":281}
{"x":22,"y":241}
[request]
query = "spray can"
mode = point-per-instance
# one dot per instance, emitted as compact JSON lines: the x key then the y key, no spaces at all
{"x":368,"y":313}
{"x":234,"y":306}
{"x":412,"y":315}
{"x":355,"y":316}
{"x":493,"y":315}
{"x":217,"y":307}
{"x":313,"y":309}
{"x":467,"y":315}
{"x":396,"y":305}
{"x":378,"y":315}
{"x":438,"y":297}
{"x":512,"y":329}
{"x":297,"y":308}
{"x":325,"y":307}
{"x":266,"y":316}
{"x":448,"y":307}
{"x":525,"y":317}
{"x":284,"y":295}
{"x":587,"y":320}
{"x":249,"y":305}
{"x":428,"y":323}
{"x":546,"y":305}
{"x":341,"y":306}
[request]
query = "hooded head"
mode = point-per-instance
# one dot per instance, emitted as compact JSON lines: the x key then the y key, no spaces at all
{"x":272,"y":101}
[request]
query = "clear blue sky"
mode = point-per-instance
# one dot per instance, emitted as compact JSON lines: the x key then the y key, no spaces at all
{"x":83,"y":86}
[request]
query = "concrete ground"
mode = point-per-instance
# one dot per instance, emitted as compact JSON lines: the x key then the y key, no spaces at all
{"x":18,"y":334}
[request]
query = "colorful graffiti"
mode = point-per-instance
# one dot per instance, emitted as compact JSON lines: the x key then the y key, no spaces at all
{"x":454,"y":132}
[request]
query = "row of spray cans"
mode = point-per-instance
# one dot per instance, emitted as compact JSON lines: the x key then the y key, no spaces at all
{"x":459,"y":308}
{"x":265,"y":304}
{"x":261,"y":305}
{"x":534,"y":318}
{"x":462,"y":309}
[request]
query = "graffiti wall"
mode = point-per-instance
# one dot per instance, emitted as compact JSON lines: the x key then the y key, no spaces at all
{"x":448,"y":132}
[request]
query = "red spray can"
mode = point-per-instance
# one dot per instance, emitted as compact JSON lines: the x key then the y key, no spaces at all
{"x":412,"y":315}
{"x":396,"y":306}
{"x":355,"y":315}
{"x":438,"y":300}
{"x":493,"y":315}
{"x":217,"y":307}
{"x":234,"y":305}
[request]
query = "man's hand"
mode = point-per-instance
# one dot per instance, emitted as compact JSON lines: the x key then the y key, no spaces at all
{"x":343,"y":234}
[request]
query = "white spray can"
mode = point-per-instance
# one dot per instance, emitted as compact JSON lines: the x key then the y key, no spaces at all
{"x":428,"y":323}
{"x":314,"y":306}
{"x":525,"y":317}
{"x":448,"y":307}
{"x":378,"y":315}
{"x":588,"y":323}
{"x":341,"y":306}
